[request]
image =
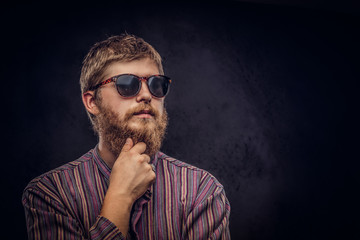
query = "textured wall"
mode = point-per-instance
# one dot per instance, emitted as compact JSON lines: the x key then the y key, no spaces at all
{"x":262,"y":97}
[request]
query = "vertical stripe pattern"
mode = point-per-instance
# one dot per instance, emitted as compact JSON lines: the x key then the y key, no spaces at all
{"x":185,"y":202}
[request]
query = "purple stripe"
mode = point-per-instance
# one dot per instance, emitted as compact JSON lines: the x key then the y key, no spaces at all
{"x":186,"y":203}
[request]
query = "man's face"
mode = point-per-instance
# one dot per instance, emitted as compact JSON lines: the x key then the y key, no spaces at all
{"x":142,"y":118}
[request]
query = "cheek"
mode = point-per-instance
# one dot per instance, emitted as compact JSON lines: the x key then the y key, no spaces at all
{"x":159,"y":105}
{"x":120,"y":109}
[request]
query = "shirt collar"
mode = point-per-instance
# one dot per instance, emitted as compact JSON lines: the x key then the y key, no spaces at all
{"x":103,"y":167}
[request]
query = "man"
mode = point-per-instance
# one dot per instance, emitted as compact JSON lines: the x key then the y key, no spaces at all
{"x":125,"y":188}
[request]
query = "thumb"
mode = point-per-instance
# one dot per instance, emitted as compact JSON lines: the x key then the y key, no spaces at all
{"x":128,"y":145}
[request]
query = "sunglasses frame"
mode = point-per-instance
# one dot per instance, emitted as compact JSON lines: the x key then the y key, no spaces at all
{"x":114,"y":79}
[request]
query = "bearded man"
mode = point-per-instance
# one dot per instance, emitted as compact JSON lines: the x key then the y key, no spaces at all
{"x":125,"y":188}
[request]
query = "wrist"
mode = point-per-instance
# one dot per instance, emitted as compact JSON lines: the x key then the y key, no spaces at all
{"x":120,"y":198}
{"x":117,"y":208}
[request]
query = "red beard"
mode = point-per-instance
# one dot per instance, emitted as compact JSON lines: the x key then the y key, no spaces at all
{"x":115,"y":130}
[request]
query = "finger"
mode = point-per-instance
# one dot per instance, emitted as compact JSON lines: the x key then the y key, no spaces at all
{"x":146,"y":158}
{"x":128,"y":145}
{"x":152,"y":176}
{"x":140,"y":147}
{"x":150,"y":168}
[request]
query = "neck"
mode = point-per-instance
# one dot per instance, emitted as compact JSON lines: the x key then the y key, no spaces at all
{"x":105,"y":153}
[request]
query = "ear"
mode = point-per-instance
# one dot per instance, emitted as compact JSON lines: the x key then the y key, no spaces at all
{"x":88,"y":99}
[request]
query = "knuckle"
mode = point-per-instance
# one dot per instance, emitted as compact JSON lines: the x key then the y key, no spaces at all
{"x":145,"y":158}
{"x":148,"y":167}
{"x":141,"y":159}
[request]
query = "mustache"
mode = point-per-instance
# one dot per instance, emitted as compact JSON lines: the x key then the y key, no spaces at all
{"x":138,"y":109}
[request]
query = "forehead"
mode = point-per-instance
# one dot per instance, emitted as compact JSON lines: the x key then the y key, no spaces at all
{"x":141,"y":67}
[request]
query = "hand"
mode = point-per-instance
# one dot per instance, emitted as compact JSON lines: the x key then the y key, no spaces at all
{"x":131,"y":174}
{"x":130,"y":177}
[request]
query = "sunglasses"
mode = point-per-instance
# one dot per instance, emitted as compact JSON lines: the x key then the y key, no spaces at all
{"x":129,"y":85}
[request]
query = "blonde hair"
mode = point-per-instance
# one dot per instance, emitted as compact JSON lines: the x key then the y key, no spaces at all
{"x":122,"y":48}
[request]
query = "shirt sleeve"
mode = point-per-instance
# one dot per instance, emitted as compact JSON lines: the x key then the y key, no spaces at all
{"x":209,"y":219}
{"x":47,"y":218}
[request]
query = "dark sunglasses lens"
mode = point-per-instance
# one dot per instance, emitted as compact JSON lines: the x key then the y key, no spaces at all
{"x":127,"y":85}
{"x":159,"y":85}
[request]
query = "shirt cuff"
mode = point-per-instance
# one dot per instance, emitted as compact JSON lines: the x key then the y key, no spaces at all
{"x":104,"y":229}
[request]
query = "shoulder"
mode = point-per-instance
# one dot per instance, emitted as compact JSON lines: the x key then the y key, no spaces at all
{"x":188,"y":171}
{"x":49,"y":180}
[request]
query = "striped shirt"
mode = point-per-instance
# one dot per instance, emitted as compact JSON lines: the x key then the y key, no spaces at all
{"x":184,"y":202}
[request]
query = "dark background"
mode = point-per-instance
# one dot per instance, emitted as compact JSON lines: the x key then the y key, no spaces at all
{"x":264,"y":97}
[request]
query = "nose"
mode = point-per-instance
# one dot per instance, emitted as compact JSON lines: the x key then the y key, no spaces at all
{"x":144,"y":94}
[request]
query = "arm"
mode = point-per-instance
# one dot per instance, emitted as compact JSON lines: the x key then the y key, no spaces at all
{"x":209,"y":219}
{"x":131,"y":176}
{"x":48,"y":218}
